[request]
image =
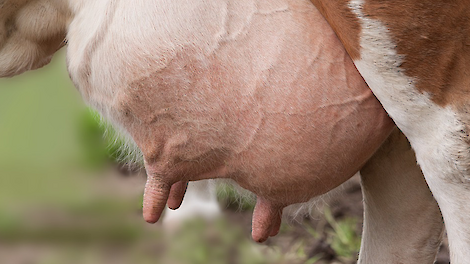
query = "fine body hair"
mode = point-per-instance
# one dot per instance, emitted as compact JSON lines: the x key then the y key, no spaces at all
{"x":128,"y":153}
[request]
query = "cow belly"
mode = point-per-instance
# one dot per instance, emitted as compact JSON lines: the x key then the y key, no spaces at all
{"x":266,"y":96}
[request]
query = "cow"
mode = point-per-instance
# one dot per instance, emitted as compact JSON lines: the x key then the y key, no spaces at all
{"x":415,"y":57}
{"x":260,"y":92}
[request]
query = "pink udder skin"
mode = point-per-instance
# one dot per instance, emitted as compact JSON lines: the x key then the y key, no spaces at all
{"x":280,"y":109}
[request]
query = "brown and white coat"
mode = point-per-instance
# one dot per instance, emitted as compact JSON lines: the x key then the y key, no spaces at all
{"x":414,"y":56}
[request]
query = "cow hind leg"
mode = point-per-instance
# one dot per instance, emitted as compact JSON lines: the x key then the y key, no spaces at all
{"x":402,"y":222}
{"x":445,"y":161}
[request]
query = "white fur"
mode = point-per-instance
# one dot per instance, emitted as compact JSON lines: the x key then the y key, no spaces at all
{"x":431,"y":129}
{"x":96,"y":38}
{"x":402,"y":222}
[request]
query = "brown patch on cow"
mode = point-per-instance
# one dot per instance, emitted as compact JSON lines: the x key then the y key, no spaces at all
{"x":434,"y":37}
{"x":53,"y":43}
{"x":344,"y":22}
{"x":7,"y":23}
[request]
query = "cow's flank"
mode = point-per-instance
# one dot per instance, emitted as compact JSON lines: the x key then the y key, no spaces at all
{"x":415,"y":57}
{"x":434,"y":37}
{"x":348,"y":29}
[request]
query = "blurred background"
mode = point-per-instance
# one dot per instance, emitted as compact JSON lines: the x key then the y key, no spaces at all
{"x":64,"y":198}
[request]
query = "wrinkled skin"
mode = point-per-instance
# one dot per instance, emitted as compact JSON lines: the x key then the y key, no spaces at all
{"x":260,"y":92}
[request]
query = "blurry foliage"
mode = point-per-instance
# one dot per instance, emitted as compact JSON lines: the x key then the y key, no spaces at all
{"x":102,"y":145}
{"x":217,"y":243}
{"x":336,"y":238}
{"x":92,"y":134}
{"x":105,"y":221}
{"x":343,"y":237}
{"x":230,"y":197}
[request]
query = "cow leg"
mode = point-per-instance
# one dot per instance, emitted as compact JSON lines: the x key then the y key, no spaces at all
{"x":200,"y":201}
{"x":402,"y":222}
{"x":446,"y":166}
{"x":437,"y":130}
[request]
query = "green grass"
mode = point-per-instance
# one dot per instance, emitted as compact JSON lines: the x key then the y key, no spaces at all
{"x":40,"y":150}
{"x":229,"y":197}
{"x":343,"y":237}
